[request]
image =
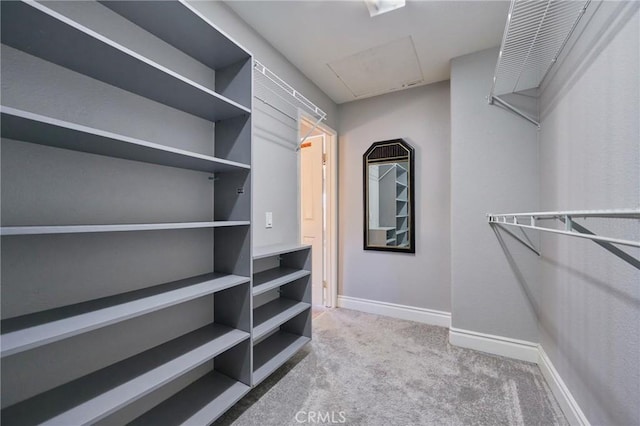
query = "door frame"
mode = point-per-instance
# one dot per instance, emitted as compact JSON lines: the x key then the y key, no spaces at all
{"x":331,"y":148}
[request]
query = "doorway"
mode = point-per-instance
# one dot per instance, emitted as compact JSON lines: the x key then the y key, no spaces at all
{"x":318,"y":207}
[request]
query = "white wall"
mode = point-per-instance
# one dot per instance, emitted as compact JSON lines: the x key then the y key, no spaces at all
{"x":275,"y":161}
{"x":494,"y":169}
{"x":421,"y":117}
{"x":590,"y":159}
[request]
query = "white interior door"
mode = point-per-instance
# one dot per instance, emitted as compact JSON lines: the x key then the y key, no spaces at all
{"x":312,"y":209}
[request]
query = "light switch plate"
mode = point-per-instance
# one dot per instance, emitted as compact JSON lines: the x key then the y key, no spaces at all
{"x":268,"y":220}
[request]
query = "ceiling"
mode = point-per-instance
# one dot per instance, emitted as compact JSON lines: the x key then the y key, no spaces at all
{"x":350,"y":55}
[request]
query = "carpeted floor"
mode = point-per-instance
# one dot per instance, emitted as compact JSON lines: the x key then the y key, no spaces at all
{"x":364,"y":369}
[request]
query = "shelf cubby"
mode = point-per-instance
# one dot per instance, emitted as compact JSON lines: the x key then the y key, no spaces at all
{"x":201,"y":403}
{"x":272,"y":315}
{"x":274,"y":351}
{"x":183,"y":27}
{"x":35,"y":128}
{"x":103,"y":59}
{"x":282,"y":305}
{"x":31,"y":331}
{"x":98,"y":395}
{"x":276,"y":277}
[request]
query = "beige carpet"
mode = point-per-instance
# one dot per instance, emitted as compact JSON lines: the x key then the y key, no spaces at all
{"x":364,"y":369}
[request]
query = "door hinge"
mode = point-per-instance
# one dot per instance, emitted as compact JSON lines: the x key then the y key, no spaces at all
{"x":324,"y":159}
{"x":324,"y":284}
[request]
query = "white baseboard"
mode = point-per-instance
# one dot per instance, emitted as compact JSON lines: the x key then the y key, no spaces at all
{"x":568,"y":404}
{"x":411,"y":313}
{"x":497,"y":345}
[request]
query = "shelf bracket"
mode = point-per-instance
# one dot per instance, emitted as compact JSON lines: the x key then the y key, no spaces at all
{"x":494,"y":99}
{"x":522,"y":241}
{"x":608,"y":246}
{"x":304,"y":138}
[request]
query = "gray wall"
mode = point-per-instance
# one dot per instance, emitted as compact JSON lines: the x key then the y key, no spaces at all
{"x":275,"y":161}
{"x":421,"y":117}
{"x":590,"y":159}
{"x":494,"y":168}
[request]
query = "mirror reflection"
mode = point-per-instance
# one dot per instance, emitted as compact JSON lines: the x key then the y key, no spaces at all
{"x":389,"y":197}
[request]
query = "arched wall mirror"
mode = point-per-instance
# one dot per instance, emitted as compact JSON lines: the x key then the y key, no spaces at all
{"x":389,"y":212}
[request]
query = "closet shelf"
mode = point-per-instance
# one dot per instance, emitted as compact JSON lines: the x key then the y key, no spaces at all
{"x":268,"y":81}
{"x":570,"y":227}
{"x":96,"y":56}
{"x":35,"y":330}
{"x":277,"y":249}
{"x":272,"y":278}
{"x":121,"y":384}
{"x":183,"y":27}
{"x":274,"y":351}
{"x":29,"y":127}
{"x":272,"y":315}
{"x":533,"y":38}
{"x":76,"y":229}
{"x":200,"y":403}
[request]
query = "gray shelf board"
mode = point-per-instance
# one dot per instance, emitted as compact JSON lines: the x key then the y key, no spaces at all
{"x":29,"y":127}
{"x":37,"y":30}
{"x":272,"y":315}
{"x":200,"y":403}
{"x":401,"y":231}
{"x":272,"y":278}
{"x":31,"y":331}
{"x":182,"y":26}
{"x":403,"y":200}
{"x":93,"y":397}
{"x":402,"y":215}
{"x":274,"y":351}
{"x":277,"y":249}
{"x":125,"y":227}
{"x":391,"y":240}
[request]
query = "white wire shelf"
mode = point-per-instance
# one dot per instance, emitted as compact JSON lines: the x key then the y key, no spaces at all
{"x":275,"y":92}
{"x":535,"y":33}
{"x":531,"y":221}
{"x":534,"y":36}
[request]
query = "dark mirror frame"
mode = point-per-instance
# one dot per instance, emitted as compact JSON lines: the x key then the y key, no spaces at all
{"x":385,"y":152}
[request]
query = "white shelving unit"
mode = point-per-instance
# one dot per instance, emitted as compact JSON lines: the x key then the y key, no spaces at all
{"x":282,"y":300}
{"x":146,"y":310}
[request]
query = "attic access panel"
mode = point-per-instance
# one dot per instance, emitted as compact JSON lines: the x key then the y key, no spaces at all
{"x":385,"y":68}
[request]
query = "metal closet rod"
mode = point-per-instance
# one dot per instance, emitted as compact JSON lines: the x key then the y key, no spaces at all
{"x":570,"y":228}
{"x":513,"y":109}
